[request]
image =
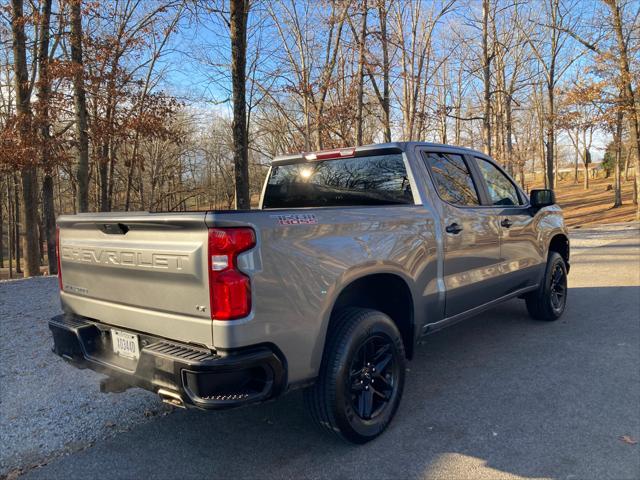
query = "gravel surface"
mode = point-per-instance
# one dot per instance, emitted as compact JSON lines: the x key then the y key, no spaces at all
{"x":47,"y":407}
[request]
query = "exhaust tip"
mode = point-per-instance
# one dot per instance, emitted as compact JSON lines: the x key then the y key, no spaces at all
{"x":172,"y":398}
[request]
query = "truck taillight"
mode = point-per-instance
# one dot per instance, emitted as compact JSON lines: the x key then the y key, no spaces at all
{"x":58,"y":257}
{"x":229,"y":289}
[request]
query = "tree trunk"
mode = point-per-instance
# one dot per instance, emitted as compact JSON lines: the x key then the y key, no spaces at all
{"x":10,"y":227}
{"x":509,"y":134}
{"x":44,"y":93}
{"x":586,"y":176}
{"x":28,"y":174}
{"x":103,"y":174}
{"x":16,"y":224}
{"x":618,"y":160}
{"x":49,"y":223}
{"x":486,"y":78}
{"x":41,"y":242}
{"x":112,"y":161}
{"x":628,"y":99}
{"x":555,"y":162}
{"x":30,"y":238}
{"x":360,"y":94}
{"x":577,"y":159}
{"x":239,"y":10}
{"x":104,"y":185}
{"x":143,"y":206}
{"x":627,"y":161}
{"x":586,"y":160}
{"x":541,"y":144}
{"x":386,"y":68}
{"x":127,"y":201}
{"x":80,"y":104}
{"x":551,"y":137}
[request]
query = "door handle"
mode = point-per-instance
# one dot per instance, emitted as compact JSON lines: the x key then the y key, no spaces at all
{"x":506,"y":223}
{"x":453,"y":228}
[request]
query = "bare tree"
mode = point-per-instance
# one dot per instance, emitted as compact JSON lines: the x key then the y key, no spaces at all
{"x":44,"y":93}
{"x":415,"y":30}
{"x":628,"y":99}
{"x":239,"y":13}
{"x":550,"y":48}
{"x":487,"y":57}
{"x":385,"y":101}
{"x":362,"y":42}
{"x":80,"y":104}
{"x":28,"y":173}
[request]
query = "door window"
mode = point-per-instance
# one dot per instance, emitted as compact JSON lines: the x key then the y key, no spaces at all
{"x":502,"y":191}
{"x":453,"y":179}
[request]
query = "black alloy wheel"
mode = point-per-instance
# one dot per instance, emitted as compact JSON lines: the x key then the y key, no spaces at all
{"x":373,"y":377}
{"x":558,"y":288}
{"x":549,"y":301}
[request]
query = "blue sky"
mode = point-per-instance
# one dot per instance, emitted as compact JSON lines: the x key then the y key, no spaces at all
{"x":196,"y":67}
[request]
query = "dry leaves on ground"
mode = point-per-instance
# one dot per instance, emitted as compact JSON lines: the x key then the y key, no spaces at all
{"x":628,"y":440}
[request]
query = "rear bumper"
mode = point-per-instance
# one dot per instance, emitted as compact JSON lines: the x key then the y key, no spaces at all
{"x":202,"y":378}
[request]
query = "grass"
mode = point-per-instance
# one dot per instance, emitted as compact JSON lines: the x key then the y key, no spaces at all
{"x":594,"y":206}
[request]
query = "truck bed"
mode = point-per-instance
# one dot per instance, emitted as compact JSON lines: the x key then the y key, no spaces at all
{"x":147,"y":272}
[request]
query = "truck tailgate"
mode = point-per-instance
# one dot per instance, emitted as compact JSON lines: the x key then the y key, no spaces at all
{"x":139,"y":271}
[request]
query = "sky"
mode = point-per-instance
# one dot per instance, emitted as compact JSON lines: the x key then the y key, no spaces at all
{"x":196,"y":67}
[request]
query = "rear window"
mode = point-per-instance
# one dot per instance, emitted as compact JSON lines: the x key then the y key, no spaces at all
{"x":373,"y":180}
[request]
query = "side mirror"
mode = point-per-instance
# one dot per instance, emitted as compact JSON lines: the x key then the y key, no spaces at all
{"x":542,"y":198}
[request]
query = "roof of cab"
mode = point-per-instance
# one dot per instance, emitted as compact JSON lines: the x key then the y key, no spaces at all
{"x":374,"y":147}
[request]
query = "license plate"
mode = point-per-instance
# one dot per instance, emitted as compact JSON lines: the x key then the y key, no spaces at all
{"x":125,"y":344}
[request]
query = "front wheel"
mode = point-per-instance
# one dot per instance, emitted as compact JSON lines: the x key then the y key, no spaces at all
{"x":361,"y":378}
{"x":549,"y":301}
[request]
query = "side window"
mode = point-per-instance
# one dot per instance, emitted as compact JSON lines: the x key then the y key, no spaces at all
{"x":502,"y":191}
{"x":452,"y":178}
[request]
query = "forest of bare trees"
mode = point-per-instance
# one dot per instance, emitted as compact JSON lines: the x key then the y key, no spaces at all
{"x":172,"y":105}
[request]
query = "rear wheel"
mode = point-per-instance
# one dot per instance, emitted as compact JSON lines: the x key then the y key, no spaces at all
{"x":361,"y":378}
{"x":548,"y":302}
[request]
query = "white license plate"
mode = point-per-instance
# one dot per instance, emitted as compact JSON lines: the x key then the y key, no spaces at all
{"x":125,"y":344}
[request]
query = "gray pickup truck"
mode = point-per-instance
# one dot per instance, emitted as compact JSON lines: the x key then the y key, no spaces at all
{"x":353,"y":256}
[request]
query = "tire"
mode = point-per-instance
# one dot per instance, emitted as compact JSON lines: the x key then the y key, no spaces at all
{"x":346,"y":400}
{"x":549,"y":301}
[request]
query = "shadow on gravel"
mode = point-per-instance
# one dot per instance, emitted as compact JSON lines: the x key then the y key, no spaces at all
{"x":500,"y":391}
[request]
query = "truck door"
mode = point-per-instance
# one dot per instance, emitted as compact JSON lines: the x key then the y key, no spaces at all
{"x":520,"y":252}
{"x":470,"y":234}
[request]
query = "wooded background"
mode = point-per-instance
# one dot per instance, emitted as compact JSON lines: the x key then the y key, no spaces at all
{"x":171,"y":105}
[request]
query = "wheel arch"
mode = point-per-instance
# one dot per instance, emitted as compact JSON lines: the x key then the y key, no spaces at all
{"x":560,"y":243}
{"x":386,"y":292}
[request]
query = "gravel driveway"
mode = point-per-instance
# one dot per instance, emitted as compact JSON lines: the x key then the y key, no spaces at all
{"x":47,"y":407}
{"x":501,"y":397}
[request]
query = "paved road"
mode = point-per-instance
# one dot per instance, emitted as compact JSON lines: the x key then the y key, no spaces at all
{"x":499,"y":396}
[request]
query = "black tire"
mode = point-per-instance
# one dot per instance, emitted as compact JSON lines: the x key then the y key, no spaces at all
{"x":549,"y":301}
{"x":346,"y":401}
